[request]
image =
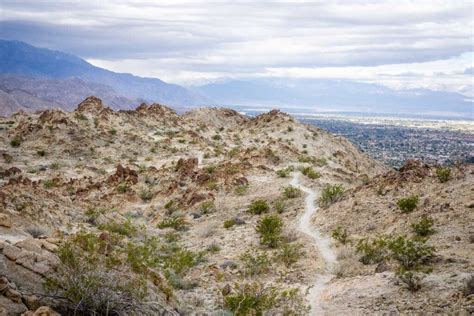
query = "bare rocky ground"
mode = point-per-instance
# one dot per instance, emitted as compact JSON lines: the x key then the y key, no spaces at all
{"x":142,"y":196}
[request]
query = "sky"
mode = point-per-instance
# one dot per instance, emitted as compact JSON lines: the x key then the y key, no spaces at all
{"x":400,"y":44}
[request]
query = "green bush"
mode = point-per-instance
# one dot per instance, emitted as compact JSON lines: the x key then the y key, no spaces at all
{"x":122,"y":188}
{"x":340,"y":234}
{"x":41,"y":152}
{"x":241,"y":189}
{"x":258,"y":207}
{"x":443,"y":174}
{"x":270,"y":228}
{"x":373,"y":251}
{"x":207,"y":207}
{"x":16,"y":141}
{"x":145,"y":194}
{"x":229,"y":223}
{"x":125,"y":229}
{"x":216,"y":137}
{"x":93,"y":283}
{"x":424,"y":227}
{"x":408,"y":204}
{"x":290,"y":253}
{"x":310,"y":173}
{"x":48,"y":184}
{"x":291,"y":192}
{"x":250,"y":299}
{"x":283,"y":173}
{"x":180,"y":260}
{"x":254,"y":262}
{"x":411,"y":279}
{"x":279,"y":205}
{"x":410,"y":253}
{"x":177,"y":223}
{"x":331,"y":194}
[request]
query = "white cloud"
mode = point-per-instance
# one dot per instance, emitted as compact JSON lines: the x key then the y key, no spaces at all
{"x":186,"y":41}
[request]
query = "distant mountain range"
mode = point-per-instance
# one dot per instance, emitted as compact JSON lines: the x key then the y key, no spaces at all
{"x":35,"y":78}
{"x":335,"y":95}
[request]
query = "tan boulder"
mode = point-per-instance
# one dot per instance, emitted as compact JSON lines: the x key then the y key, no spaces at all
{"x":12,"y":252}
{"x":30,"y":244}
{"x":5,"y":220}
{"x":42,"y":311}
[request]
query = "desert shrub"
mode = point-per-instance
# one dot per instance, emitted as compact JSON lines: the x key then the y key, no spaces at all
{"x":141,"y":256}
{"x":36,"y":231}
{"x":258,"y":299}
{"x":411,"y":279}
{"x":285,"y":172}
{"x":331,"y":194}
{"x":254,"y":262}
{"x":443,"y":174}
{"x":409,"y":253}
{"x":241,"y":189}
{"x":210,"y":169}
{"x":48,"y":184}
{"x":145,"y":194}
{"x":16,"y":141}
{"x":170,"y":206}
{"x":55,"y":166}
{"x":340,"y":234}
{"x":171,"y":236}
{"x":122,"y":188}
{"x":424,"y":227}
{"x":180,"y":260}
{"x":113,"y":131}
{"x":290,"y":253}
{"x":213,"y":185}
{"x":310,"y":173}
{"x":229,"y":223}
{"x":279,"y":205}
{"x":178,"y":282}
{"x":373,"y":251}
{"x":177,"y":223}
{"x":408,"y":204}
{"x":213,"y":248}
{"x":305,"y":159}
{"x":320,"y":162}
{"x":233,"y":152}
{"x":250,"y":299}
{"x":216,"y":137}
{"x":122,"y":228}
{"x":258,"y":207}
{"x":8,"y":158}
{"x":93,"y":283}
{"x":291,"y":192}
{"x":207,"y":207}
{"x":289,"y":129}
{"x":41,"y":152}
{"x":269,"y":229}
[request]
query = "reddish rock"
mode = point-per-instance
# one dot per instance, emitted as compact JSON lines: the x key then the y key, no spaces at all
{"x":123,"y":174}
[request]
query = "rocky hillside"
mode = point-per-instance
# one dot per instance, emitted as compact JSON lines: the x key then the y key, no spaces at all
{"x":152,"y":212}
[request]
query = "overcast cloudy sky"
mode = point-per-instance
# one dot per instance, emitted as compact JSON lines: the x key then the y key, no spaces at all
{"x":402,"y":44}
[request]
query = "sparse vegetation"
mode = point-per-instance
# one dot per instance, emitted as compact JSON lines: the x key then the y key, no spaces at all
{"x":177,"y":223}
{"x":443,"y":174}
{"x":269,"y":229}
{"x":340,"y":234}
{"x":373,"y":250}
{"x":290,"y":253}
{"x":291,"y":192}
{"x":310,"y":173}
{"x":145,"y":194}
{"x":16,"y":141}
{"x":331,"y":194}
{"x":229,"y":223}
{"x":408,"y":204}
{"x":207,"y":207}
{"x":258,"y":207}
{"x":285,"y":172}
{"x":254,"y":262}
{"x":241,"y":189}
{"x":424,"y":227}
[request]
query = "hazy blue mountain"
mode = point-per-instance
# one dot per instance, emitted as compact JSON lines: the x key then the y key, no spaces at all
{"x":21,"y":58}
{"x":335,"y":95}
{"x":19,"y":92}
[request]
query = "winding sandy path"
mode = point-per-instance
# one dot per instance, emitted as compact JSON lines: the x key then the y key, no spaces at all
{"x":321,"y":243}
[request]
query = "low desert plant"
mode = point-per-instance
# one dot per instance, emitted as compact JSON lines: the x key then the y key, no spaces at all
{"x":269,"y":229}
{"x":424,"y":227}
{"x":340,"y":234}
{"x":36,"y":231}
{"x":254,"y":262}
{"x":310,"y":173}
{"x":373,"y":250}
{"x":125,"y":228}
{"x":443,"y":174}
{"x":250,"y":299}
{"x":408,"y":204}
{"x":411,"y":279}
{"x":258,"y":207}
{"x":331,"y":194}
{"x":241,"y":189}
{"x":177,"y":223}
{"x":145,"y":194}
{"x":229,"y":223}
{"x":410,"y":253}
{"x":290,"y":253}
{"x":291,"y":192}
{"x":207,"y":207}
{"x":16,"y":141}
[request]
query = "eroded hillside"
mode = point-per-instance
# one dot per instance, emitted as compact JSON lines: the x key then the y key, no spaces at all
{"x":176,"y":214}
